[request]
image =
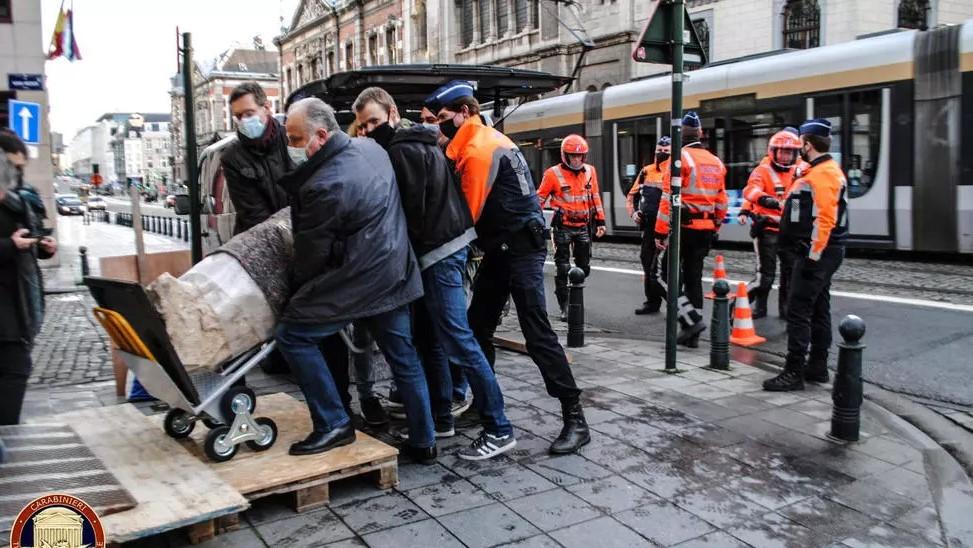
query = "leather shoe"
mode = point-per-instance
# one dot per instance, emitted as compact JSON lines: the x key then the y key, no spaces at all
{"x":647,"y":309}
{"x":319,"y":442}
{"x":421,"y":455}
{"x":574,"y":434}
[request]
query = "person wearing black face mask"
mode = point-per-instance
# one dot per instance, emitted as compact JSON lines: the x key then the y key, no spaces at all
{"x":643,"y":206}
{"x":440,"y":227}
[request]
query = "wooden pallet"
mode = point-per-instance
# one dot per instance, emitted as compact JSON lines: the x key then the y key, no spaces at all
{"x":306,"y":478}
{"x":172,"y":489}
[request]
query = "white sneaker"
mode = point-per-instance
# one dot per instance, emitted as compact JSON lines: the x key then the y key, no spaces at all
{"x":487,"y":446}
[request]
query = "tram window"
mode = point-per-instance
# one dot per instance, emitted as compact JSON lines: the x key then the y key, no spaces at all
{"x":744,"y":141}
{"x":832,"y":108}
{"x":626,"y":155}
{"x":533,"y":157}
{"x":866,"y":119}
{"x":645,"y":144}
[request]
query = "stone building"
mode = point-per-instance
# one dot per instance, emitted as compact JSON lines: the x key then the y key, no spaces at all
{"x":213,"y":82}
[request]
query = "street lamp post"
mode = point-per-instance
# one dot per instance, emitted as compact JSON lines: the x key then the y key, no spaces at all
{"x":192,"y":179}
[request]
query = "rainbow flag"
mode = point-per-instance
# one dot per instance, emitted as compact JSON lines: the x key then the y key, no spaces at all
{"x":63,"y":43}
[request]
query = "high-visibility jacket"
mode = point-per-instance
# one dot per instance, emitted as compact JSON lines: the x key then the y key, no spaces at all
{"x":816,"y":210}
{"x":767,"y":181}
{"x":648,"y":187}
{"x":496,"y":182}
{"x":703,"y":192}
{"x":575,"y":194}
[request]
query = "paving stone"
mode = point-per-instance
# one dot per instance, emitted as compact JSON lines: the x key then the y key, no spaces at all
{"x":420,"y":533}
{"x":310,"y":529}
{"x":613,"y":454}
{"x":414,"y":475}
{"x":568,"y":469}
{"x":773,"y":530}
{"x":664,"y":523}
{"x":613,"y":494}
{"x":829,"y":520}
{"x":488,"y":526}
{"x":603,"y":532}
{"x":743,"y":404}
{"x":529,"y":448}
{"x":354,"y":489}
{"x":718,"y":538}
{"x":511,"y":482}
{"x":347,"y":543}
{"x":540,"y":541}
{"x":719,"y":506}
{"x":787,"y":417}
{"x":883,"y":536}
{"x":386,"y":511}
{"x":852,"y":463}
{"x":448,"y":497}
{"x":627,"y":430}
{"x":888,"y":450}
{"x":709,"y":435}
{"x":872,"y":500}
{"x":553,"y":509}
{"x":709,"y":411}
{"x":923,"y":522}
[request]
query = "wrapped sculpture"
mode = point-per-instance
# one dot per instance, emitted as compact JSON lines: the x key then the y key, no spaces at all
{"x":230,"y":301}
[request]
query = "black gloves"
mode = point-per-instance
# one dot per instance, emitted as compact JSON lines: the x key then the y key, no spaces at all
{"x":769,"y":202}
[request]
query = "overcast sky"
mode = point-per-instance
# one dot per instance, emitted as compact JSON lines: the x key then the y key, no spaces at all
{"x":129,"y":50}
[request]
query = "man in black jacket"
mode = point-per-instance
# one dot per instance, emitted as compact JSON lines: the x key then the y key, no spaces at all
{"x":21,"y":291}
{"x":257,"y":160}
{"x":353,"y":262}
{"x":440,"y":228}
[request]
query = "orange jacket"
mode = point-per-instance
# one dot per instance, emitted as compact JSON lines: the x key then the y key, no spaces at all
{"x":767,"y":181}
{"x":574,"y":194}
{"x":650,"y":175}
{"x":703,"y":179}
{"x":816,"y":210}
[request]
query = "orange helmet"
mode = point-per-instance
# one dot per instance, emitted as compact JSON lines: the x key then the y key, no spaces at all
{"x":573,"y":144}
{"x":780,"y":141}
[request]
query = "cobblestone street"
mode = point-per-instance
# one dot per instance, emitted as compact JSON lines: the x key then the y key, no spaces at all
{"x":72,"y":347}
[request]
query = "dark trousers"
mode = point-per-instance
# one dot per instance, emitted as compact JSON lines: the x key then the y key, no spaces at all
{"x":787,"y":254}
{"x":566,"y":240}
{"x":336,"y":356}
{"x":809,"y":308}
{"x":765,"y":251}
{"x":14,"y":372}
{"x":694,"y":246}
{"x":503,"y":274}
{"x":649,"y":255}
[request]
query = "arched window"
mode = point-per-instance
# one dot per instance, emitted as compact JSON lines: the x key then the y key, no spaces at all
{"x":702,"y":31}
{"x":802,"y":24}
{"x":914,"y":14}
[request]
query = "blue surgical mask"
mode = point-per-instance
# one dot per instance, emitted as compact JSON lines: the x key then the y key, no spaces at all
{"x":251,"y":127}
{"x":298,"y":155}
{"x":431,"y":125}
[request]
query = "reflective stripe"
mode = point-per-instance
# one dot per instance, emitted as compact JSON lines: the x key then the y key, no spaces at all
{"x":519,"y":165}
{"x":706,"y":191}
{"x":692,"y":171}
{"x":560,"y":176}
{"x":775,"y":177}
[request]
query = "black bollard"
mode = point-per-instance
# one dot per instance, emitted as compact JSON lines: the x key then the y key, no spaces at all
{"x":719,"y":327}
{"x":576,"y":308}
{"x":85,"y":270}
{"x":168,"y":226}
{"x":178,"y":229}
{"x":185,"y":231}
{"x":847,"y":392}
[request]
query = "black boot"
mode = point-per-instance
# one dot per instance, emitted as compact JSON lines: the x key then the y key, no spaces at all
{"x":648,"y":308}
{"x":788,"y":381}
{"x":689,"y":336}
{"x":759,"y":306}
{"x":817,"y":371}
{"x":575,"y":432}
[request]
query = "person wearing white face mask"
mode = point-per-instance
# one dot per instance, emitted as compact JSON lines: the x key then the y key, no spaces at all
{"x":253,"y":165}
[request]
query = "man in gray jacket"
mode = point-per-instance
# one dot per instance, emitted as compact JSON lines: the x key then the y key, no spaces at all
{"x":352,"y":261}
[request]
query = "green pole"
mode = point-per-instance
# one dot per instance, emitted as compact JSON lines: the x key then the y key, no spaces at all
{"x":672,"y":305}
{"x":192,"y":178}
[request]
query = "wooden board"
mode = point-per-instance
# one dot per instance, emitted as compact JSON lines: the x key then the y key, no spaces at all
{"x":172,"y":488}
{"x":125,"y":267}
{"x":275,"y":471}
{"x":51,"y":458}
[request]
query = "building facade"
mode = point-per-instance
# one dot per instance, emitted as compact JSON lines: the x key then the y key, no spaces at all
{"x":21,"y":53}
{"x":213,"y":82}
{"x":551,"y":35}
{"x":91,"y":147}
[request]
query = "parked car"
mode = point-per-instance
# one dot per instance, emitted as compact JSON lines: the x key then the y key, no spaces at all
{"x":97,"y":202}
{"x":69,"y":205}
{"x":170,"y":201}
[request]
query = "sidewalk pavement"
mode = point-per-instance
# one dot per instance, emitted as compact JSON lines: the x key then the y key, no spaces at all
{"x":700,"y":458}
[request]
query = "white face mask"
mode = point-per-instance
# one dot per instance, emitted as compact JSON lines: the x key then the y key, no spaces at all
{"x":252,"y":126}
{"x":298,"y":155}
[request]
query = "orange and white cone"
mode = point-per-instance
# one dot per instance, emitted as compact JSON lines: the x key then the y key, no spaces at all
{"x":744,"y":333}
{"x":719,"y":273}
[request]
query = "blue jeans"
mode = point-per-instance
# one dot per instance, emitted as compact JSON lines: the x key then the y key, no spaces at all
{"x":393,"y":333}
{"x":445,"y":301}
{"x":460,"y":384}
{"x":364,"y":371}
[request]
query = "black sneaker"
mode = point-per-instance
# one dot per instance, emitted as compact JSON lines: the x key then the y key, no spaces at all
{"x":441,"y":431}
{"x":487,"y":446}
{"x":421,"y":455}
{"x":373,"y":412}
{"x":788,"y":381}
{"x":647,"y":309}
{"x":460,"y":406}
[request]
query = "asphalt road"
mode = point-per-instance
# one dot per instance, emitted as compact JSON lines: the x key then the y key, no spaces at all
{"x":922,"y":348}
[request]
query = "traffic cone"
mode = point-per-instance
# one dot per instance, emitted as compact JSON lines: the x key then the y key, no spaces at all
{"x":719,"y":273}
{"x":743,"y":332}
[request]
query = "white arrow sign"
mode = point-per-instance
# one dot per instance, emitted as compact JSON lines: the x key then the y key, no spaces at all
{"x":25,"y":117}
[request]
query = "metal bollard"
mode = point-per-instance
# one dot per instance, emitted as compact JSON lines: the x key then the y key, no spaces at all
{"x":185,"y":231}
{"x":178,"y":229}
{"x":847,"y":392}
{"x":85,"y":270}
{"x":576,"y":308}
{"x":168,"y":226}
{"x":719,"y":327}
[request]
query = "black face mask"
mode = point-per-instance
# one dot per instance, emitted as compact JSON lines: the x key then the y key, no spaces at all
{"x":382,"y":134}
{"x":805,"y":156}
{"x":661,"y":157}
{"x":448,"y":128}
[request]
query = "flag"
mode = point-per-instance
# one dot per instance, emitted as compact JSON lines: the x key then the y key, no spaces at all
{"x":63,"y":43}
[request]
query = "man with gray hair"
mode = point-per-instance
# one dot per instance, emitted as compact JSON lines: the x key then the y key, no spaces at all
{"x":353,"y":262}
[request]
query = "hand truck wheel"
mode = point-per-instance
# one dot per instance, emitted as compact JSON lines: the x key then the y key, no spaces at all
{"x":178,"y":424}
{"x":218,"y":446}
{"x":211,"y":423}
{"x":238,"y":399}
{"x":267,"y":435}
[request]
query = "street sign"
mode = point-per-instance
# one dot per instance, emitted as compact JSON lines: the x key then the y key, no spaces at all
{"x":655,"y":42}
{"x":25,"y":120}
{"x":26,"y":82}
